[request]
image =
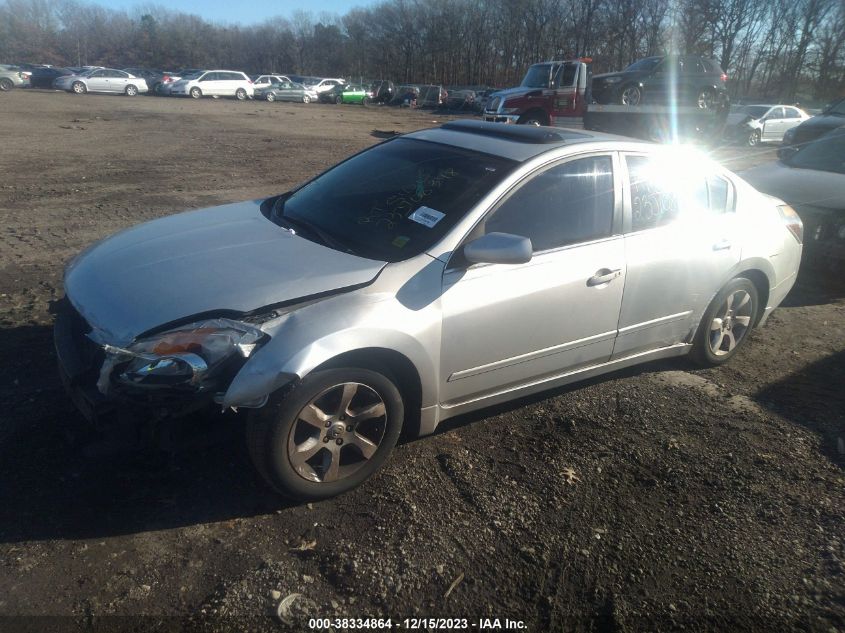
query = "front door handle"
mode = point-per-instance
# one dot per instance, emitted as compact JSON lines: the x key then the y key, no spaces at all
{"x":604,"y":276}
{"x":722,"y":245}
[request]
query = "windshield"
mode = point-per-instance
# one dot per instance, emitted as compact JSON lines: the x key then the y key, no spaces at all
{"x":825,"y":154}
{"x":537,"y":76}
{"x":394,"y":201}
{"x":837,"y":108}
{"x":644,"y":65}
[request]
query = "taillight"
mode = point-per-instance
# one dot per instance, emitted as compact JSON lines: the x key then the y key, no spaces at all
{"x":724,"y":77}
{"x":793,"y":221}
{"x":165,"y":78}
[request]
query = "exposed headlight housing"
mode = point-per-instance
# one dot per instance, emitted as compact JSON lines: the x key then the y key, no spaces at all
{"x":191,"y":356}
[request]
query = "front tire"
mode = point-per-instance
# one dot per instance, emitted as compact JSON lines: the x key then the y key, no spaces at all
{"x":706,"y":99}
{"x":754,"y":138}
{"x":327,"y":435}
{"x":532,"y":118}
{"x":306,"y":99}
{"x":726,"y":323}
{"x":631,"y":96}
{"x":195,"y":93}
{"x":338,"y":99}
{"x":270,"y":97}
{"x":79,"y":88}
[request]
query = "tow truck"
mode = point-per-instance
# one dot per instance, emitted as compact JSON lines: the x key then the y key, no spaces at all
{"x":557,"y":93}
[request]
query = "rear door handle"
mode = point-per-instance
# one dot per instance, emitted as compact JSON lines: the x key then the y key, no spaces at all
{"x":603,"y":276}
{"x":722,"y":245}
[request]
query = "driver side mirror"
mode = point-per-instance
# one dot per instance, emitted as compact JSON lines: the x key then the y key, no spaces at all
{"x":499,"y":248}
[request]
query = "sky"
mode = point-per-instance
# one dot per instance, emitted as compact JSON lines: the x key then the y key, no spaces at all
{"x":244,"y":13}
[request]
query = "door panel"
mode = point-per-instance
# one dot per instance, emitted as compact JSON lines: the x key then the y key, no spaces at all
{"x":680,"y":244}
{"x":504,"y":325}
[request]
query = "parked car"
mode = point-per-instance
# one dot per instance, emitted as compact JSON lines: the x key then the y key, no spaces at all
{"x":811,"y":178}
{"x":44,"y":77}
{"x":383,"y":91}
{"x":155,"y":78}
{"x":263,"y":81}
{"x":287,"y":91}
{"x":165,"y":86}
{"x":684,"y":79}
{"x":323,"y":84}
{"x":831,"y":118}
{"x":433,"y":274}
{"x":755,"y":124}
{"x":348,"y":93}
{"x":12,"y":77}
{"x":102,"y":80}
{"x":214,"y":83}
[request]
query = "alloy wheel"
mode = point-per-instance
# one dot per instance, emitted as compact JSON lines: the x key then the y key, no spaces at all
{"x":631,"y":96}
{"x":337,"y":432}
{"x":731,"y":323}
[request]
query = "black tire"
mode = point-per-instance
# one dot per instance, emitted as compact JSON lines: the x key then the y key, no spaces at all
{"x":706,"y":99}
{"x":533,"y":118}
{"x":6,"y":84}
{"x":306,"y":99}
{"x":195,"y":93}
{"x":131,"y":90}
{"x":754,"y":138}
{"x":270,"y":97}
{"x":338,"y":99}
{"x":270,"y":429}
{"x":702,"y":351}
{"x":366,"y":102}
{"x":240,"y":94}
{"x":78,"y":88}
{"x":630,"y":95}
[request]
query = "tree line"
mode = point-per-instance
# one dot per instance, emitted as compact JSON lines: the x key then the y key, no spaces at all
{"x":783,"y":50}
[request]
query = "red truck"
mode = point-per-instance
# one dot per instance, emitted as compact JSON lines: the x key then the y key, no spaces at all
{"x":551,"y":93}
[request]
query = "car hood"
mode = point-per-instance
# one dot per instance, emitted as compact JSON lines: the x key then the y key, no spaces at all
{"x":515,"y":92}
{"x":798,"y":187}
{"x":738,"y":118}
{"x":228,"y":259}
{"x":824,"y":122}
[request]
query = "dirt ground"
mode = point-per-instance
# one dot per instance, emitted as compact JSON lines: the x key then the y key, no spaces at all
{"x":660,"y":498}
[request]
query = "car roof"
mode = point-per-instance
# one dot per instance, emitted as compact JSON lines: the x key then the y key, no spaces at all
{"x":519,"y":143}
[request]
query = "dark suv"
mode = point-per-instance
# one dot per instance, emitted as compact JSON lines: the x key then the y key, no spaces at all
{"x":696,"y":81}
{"x":832,"y":117}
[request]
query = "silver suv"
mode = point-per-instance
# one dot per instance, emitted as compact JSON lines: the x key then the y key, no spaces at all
{"x":431,"y":275}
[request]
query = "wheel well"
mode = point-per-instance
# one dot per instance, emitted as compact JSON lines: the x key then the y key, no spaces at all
{"x":398,"y":368}
{"x":541,"y":114}
{"x":761,"y":283}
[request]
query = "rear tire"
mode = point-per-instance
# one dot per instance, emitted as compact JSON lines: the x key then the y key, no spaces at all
{"x":131,"y":90}
{"x":300,"y":457}
{"x":6,"y":84}
{"x":270,"y":97}
{"x":533,"y":118}
{"x":240,"y":94}
{"x":306,"y":99}
{"x":726,"y":323}
{"x":338,"y":99}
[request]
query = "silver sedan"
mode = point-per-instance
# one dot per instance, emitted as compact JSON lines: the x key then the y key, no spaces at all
{"x":431,"y":275}
{"x":102,"y":80}
{"x":286,"y":91}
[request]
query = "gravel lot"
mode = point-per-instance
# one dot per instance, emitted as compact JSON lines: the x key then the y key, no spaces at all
{"x":660,"y":498}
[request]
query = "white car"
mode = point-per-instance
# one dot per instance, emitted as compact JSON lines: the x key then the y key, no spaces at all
{"x":755,"y":124}
{"x":102,"y":80}
{"x":264,"y":81}
{"x":322,"y":85}
{"x":214,"y":83}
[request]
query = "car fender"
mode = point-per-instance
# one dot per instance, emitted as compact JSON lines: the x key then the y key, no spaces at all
{"x":309,"y":337}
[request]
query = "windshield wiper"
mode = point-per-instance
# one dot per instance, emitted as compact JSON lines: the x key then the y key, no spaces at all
{"x":315,"y":231}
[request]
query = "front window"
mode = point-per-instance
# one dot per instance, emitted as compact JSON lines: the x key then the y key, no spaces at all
{"x":825,"y":154}
{"x":393,"y":201}
{"x":537,"y":76}
{"x":837,"y":108}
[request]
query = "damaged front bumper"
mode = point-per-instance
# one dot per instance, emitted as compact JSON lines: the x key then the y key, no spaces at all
{"x":115,"y":387}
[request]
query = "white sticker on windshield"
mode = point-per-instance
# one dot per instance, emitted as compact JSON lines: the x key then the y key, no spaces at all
{"x":426,"y":216}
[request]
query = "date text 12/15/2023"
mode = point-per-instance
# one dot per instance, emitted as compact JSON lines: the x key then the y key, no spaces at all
{"x":413,"y":624}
